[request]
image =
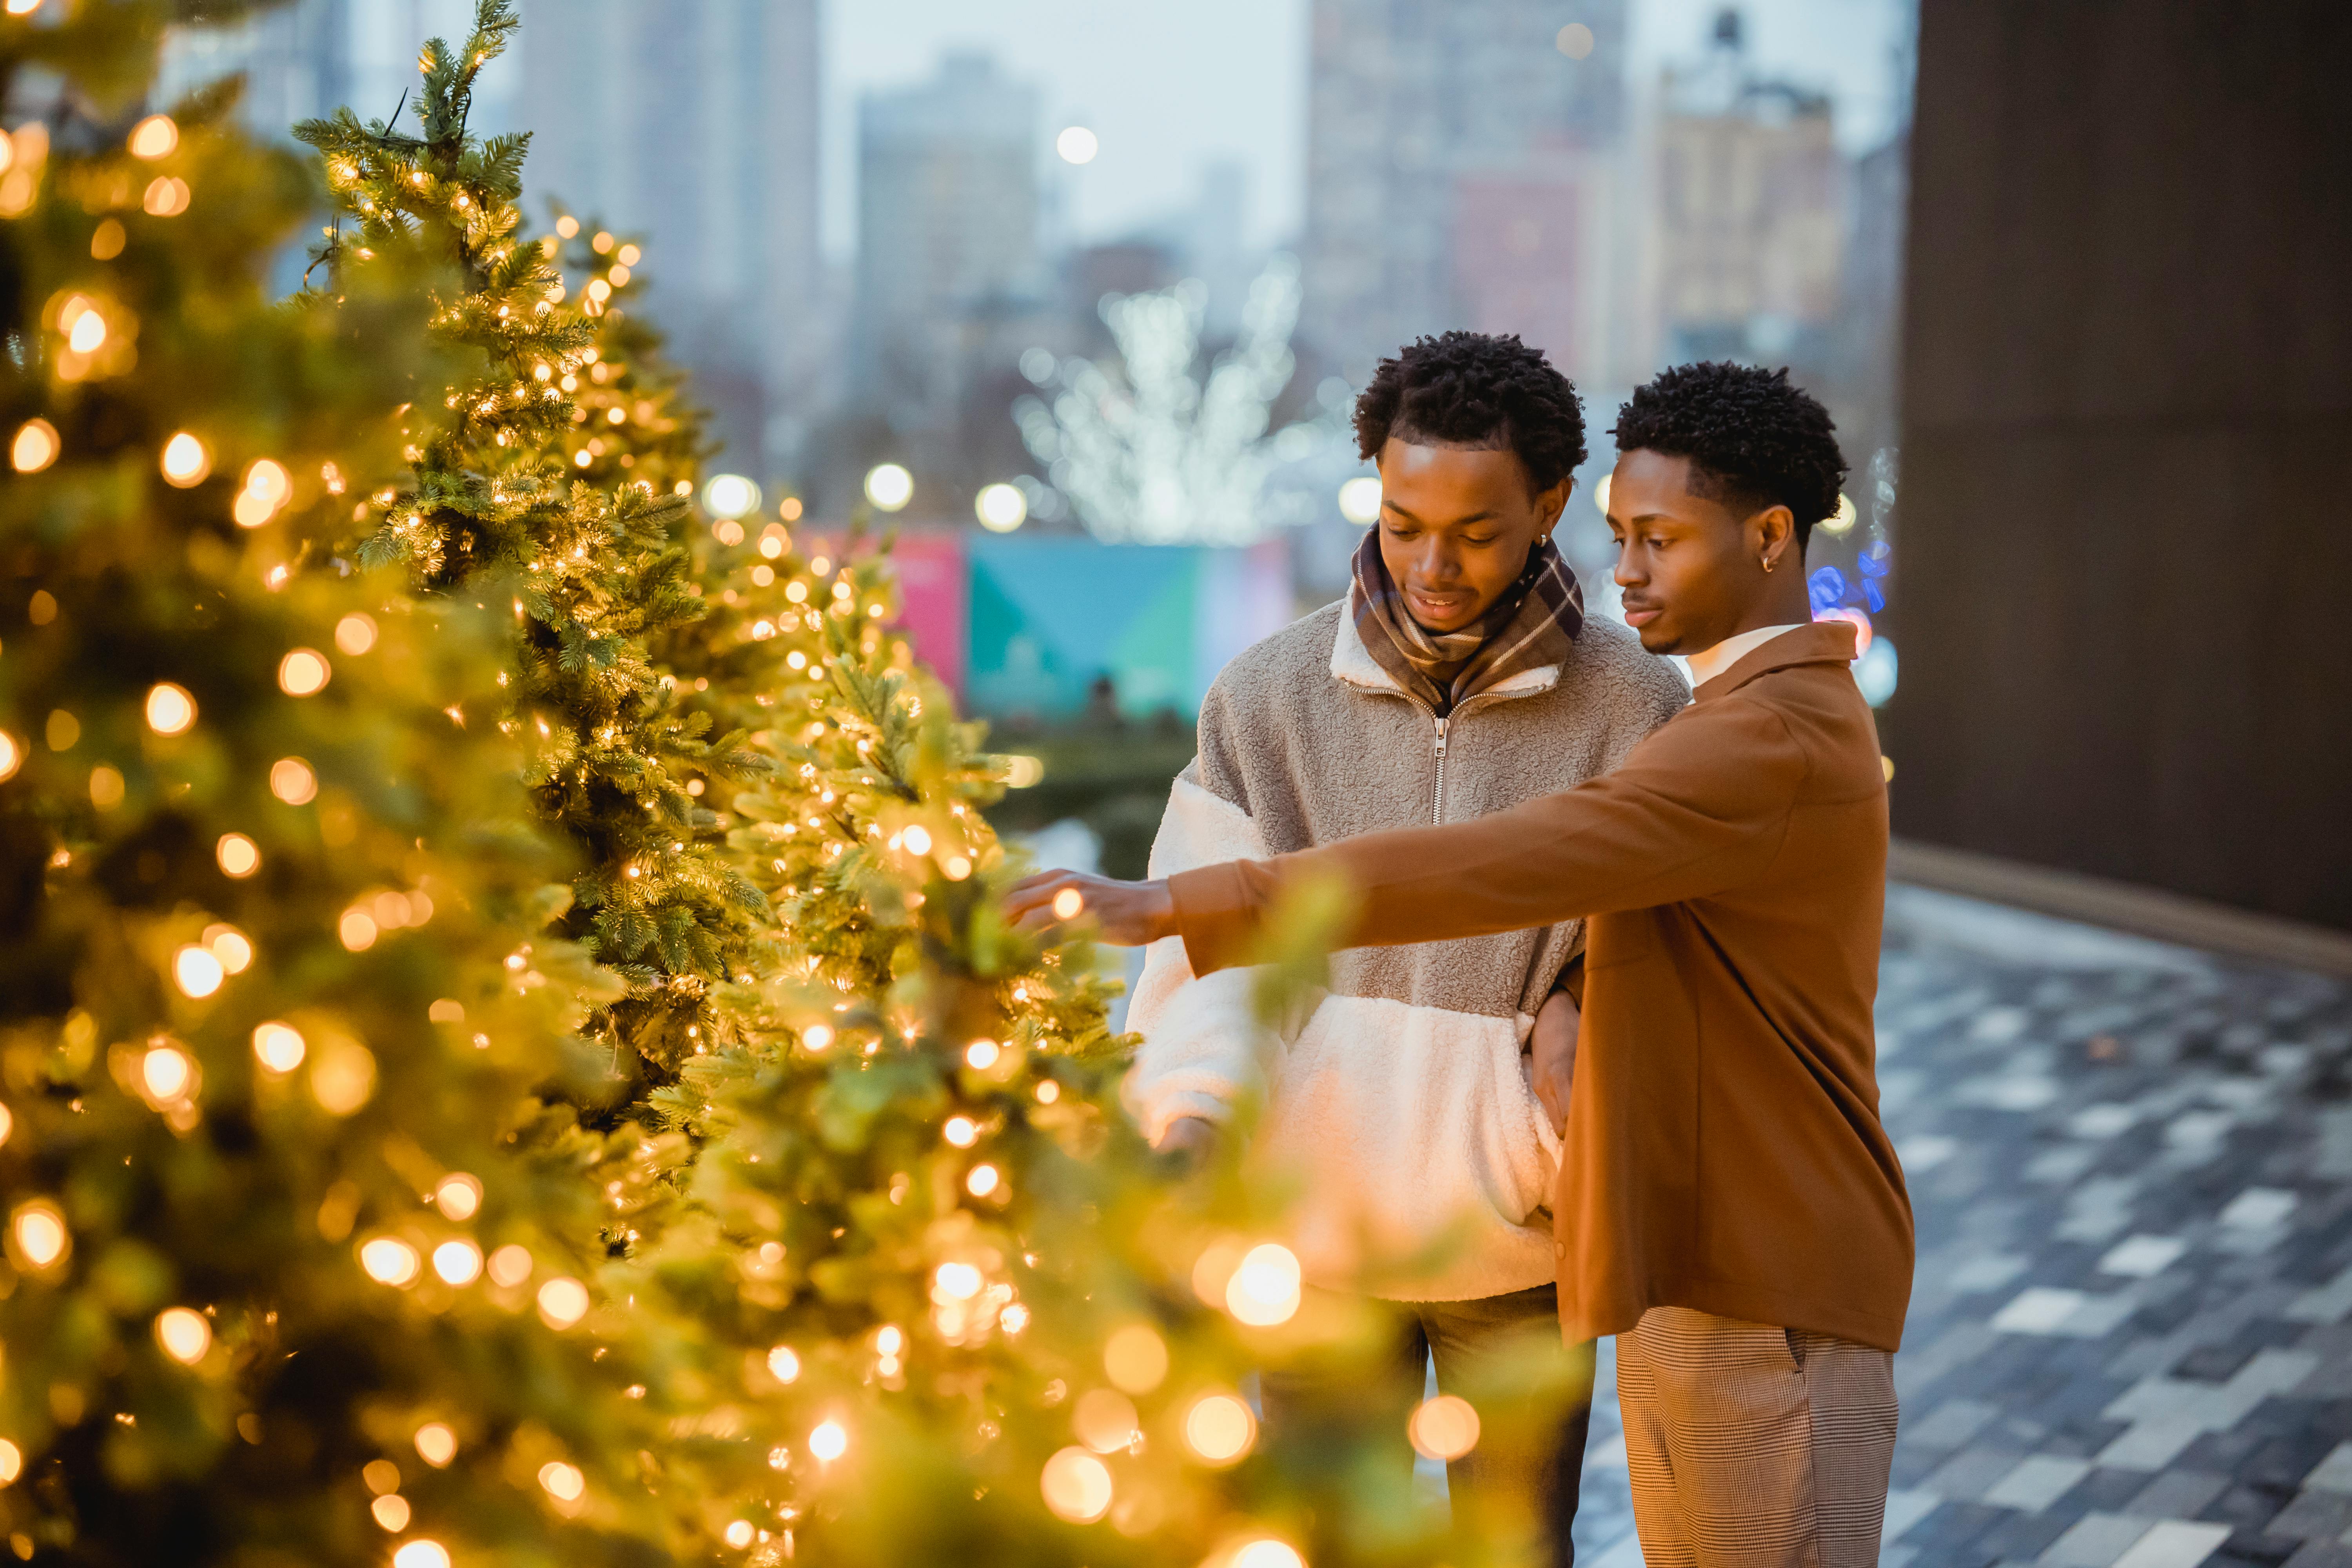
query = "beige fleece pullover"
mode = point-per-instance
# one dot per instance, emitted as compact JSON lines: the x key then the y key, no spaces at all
{"x":1399,"y":1111}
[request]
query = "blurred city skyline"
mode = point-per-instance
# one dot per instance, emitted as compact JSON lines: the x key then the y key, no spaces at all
{"x":1229,"y":85}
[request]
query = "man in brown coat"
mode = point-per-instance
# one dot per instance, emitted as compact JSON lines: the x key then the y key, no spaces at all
{"x":1728,"y":1204}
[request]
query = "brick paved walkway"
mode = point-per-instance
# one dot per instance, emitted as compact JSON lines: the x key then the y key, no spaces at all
{"x":2132,"y":1168}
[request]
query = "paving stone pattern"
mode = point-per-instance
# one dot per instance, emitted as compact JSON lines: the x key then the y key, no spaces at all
{"x":2130,"y":1341}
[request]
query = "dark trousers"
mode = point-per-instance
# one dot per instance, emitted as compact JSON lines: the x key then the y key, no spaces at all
{"x":1503,"y":1354}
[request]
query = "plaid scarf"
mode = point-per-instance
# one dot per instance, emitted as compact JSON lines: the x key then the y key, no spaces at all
{"x":1532,"y":625}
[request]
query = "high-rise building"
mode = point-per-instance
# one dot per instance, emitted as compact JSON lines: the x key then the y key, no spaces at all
{"x":947,"y":240}
{"x":694,"y":122}
{"x":1749,"y":194}
{"x":1462,"y":171}
{"x":308,"y":59}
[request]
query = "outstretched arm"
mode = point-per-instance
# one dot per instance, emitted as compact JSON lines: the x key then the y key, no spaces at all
{"x":1699,"y":807}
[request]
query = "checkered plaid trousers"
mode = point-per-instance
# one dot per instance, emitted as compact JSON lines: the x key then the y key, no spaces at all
{"x":1752,"y":1447}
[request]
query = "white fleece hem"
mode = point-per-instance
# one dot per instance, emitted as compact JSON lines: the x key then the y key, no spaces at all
{"x":1419,"y":1151}
{"x":1201,"y":1040}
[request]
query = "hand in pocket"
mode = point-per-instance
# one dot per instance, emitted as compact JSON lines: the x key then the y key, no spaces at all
{"x":1553,"y":1052}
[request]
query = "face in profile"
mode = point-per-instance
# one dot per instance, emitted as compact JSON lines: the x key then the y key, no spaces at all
{"x":1689,"y":567}
{"x":1456,"y":528}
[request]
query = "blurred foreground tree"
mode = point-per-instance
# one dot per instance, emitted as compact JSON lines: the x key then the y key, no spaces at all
{"x":297,"y":1266}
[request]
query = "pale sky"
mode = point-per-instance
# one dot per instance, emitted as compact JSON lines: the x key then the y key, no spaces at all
{"x":1170,"y":85}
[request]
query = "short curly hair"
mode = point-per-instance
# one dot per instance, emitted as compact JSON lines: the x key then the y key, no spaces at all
{"x":1753,"y":436}
{"x":1479,"y":392}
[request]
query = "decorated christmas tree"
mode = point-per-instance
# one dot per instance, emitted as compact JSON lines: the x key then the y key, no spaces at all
{"x":903,"y":1284}
{"x":298,"y":1267}
{"x":384,"y":781}
{"x":519,"y":470}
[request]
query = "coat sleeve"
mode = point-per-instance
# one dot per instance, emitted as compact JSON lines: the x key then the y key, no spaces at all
{"x":1700,"y":806}
{"x":1201,"y":1034}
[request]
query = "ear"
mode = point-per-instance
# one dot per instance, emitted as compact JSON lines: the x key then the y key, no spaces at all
{"x":1773,"y":534}
{"x":1552,"y":502}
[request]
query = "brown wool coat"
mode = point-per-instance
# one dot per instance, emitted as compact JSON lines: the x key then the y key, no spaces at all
{"x":1723,"y":1150}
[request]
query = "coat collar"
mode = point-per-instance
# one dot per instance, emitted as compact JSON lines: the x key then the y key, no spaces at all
{"x":1352,"y":664}
{"x":1823,"y":642}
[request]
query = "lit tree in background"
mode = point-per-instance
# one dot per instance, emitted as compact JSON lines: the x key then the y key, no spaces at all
{"x":296,"y":1266}
{"x":1160,"y":450}
{"x":599,"y":570}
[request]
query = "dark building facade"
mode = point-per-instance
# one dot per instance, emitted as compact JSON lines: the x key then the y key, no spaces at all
{"x":2126,"y":605}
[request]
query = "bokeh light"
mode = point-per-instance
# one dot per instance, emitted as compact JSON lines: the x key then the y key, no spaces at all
{"x":1077,"y":1485}
{"x":890,"y":487}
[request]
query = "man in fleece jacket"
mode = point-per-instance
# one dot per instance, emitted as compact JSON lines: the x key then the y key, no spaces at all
{"x":1458,"y":677}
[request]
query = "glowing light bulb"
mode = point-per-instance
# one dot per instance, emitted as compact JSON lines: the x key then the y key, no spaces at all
{"x":185,"y":1335}
{"x":956,"y":1282}
{"x":436,"y":1444}
{"x":960,"y":1131}
{"x":88,"y":332}
{"x":197,"y":970}
{"x":816,"y":1036}
{"x":829,"y":1441}
{"x":35,"y":447}
{"x":784,"y":1363}
{"x":458,"y":1195}
{"x":1078,"y":145}
{"x":170,"y":709}
{"x":1444,"y":1428}
{"x":421,"y":1554}
{"x":291,"y":780}
{"x":167,"y":1074}
{"x":563,"y":1482}
{"x":187,"y":460}
{"x":1077,"y":1485}
{"x":355,"y":633}
{"x":1220,"y":1428}
{"x":982,"y":1181}
{"x":890,"y":487}
{"x":1263,"y":1290}
{"x":237,"y":855}
{"x":509,"y":1265}
{"x":389,"y":1260}
{"x":40,"y":1233}
{"x":918,"y":841}
{"x":278,"y":1047}
{"x":1068,"y":904}
{"x":231,"y":946}
{"x":155,"y":137}
{"x":731,"y":496}
{"x":982,"y":1054}
{"x":1266,"y":1553}
{"x":1001,"y":508}
{"x":563,"y":1303}
{"x":12,"y":755}
{"x":303,"y":672}
{"x":1360,"y":499}
{"x":458,"y":1262}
